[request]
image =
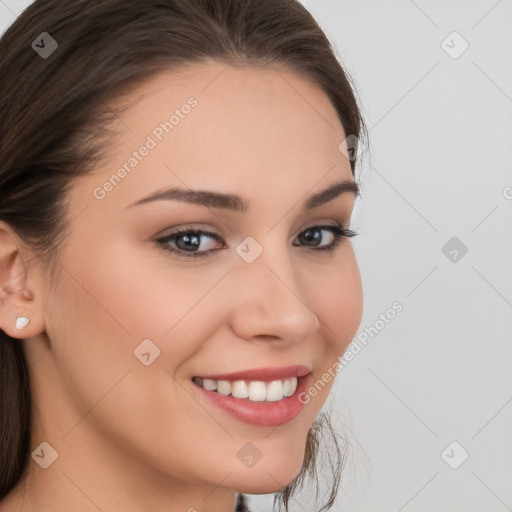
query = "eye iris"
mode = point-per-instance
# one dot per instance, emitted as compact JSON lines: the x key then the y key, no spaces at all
{"x":190,"y":241}
{"x":313,"y":235}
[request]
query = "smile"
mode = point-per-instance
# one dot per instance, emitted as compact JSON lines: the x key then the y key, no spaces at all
{"x":255,"y":391}
{"x":266,"y":397}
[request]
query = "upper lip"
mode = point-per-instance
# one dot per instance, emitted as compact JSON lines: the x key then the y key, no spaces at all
{"x":263,"y":374}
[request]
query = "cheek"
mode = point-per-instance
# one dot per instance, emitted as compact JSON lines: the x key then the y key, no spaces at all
{"x":114,"y":308}
{"x":133,"y":296}
{"x":105,"y":304}
{"x":338,"y":302}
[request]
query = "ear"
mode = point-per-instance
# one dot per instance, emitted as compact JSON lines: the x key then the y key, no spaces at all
{"x":19,"y":295}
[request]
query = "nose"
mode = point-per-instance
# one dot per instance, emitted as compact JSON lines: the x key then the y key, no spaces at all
{"x":268,"y":303}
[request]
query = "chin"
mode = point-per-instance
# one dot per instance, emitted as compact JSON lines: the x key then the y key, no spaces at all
{"x":264,"y":487}
{"x":268,"y":478}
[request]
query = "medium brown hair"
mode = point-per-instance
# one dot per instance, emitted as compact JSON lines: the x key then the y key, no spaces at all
{"x":55,"y":111}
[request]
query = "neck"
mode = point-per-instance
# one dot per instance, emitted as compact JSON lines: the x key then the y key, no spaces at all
{"x":82,"y":479}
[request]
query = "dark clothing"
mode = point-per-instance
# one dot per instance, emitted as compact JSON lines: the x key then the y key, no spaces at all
{"x":241,"y":504}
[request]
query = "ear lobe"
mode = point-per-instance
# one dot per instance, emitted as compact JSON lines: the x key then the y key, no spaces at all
{"x":16,"y":298}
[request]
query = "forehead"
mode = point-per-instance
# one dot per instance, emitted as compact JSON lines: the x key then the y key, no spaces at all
{"x":219,"y":85}
{"x":214,"y":125}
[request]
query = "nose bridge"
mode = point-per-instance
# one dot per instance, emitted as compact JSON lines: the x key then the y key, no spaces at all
{"x":268,"y":298}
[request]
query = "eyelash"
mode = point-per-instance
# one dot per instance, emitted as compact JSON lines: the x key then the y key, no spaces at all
{"x":340,"y":233}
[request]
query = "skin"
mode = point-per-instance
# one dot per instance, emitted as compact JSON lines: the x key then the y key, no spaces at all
{"x":132,"y":437}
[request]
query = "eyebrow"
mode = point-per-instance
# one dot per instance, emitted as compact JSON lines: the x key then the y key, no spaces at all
{"x":238,"y":204}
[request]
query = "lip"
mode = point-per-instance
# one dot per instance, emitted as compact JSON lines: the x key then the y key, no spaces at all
{"x":263,"y":374}
{"x":263,"y":414}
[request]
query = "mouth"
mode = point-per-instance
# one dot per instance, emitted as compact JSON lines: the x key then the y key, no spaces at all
{"x":264,"y":397}
{"x":254,"y":390}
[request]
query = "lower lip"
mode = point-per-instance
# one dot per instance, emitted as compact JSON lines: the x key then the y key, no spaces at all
{"x":263,"y":414}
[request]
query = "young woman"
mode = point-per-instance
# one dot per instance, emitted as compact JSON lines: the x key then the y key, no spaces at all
{"x":177,"y":281}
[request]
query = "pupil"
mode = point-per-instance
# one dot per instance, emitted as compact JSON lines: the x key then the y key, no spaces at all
{"x":312,"y":235}
{"x":190,"y":240}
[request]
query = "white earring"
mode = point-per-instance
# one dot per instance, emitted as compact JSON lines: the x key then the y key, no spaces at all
{"x":21,"y":322}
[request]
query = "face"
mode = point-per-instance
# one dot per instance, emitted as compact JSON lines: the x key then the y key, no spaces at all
{"x":157,"y":296}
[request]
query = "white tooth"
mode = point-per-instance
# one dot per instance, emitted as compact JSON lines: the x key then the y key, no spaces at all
{"x":257,"y":391}
{"x":286,"y":387}
{"x":274,"y":391}
{"x":239,"y":389}
{"x":293,"y":385}
{"x":209,"y":384}
{"x":224,"y":387}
